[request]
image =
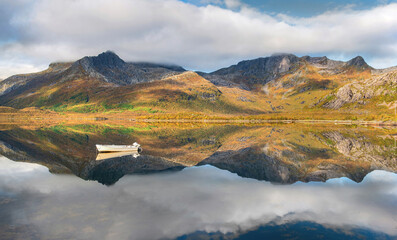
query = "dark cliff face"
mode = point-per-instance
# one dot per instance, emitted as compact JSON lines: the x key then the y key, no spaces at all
{"x":111,"y":68}
{"x":261,"y":66}
{"x":359,"y":63}
{"x":256,"y":71}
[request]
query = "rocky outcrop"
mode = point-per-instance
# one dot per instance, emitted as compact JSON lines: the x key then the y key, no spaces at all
{"x":349,"y":93}
{"x":12,"y":83}
{"x":360,"y":91}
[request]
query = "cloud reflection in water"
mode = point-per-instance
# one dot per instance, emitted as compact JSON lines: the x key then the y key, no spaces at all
{"x":167,"y":205}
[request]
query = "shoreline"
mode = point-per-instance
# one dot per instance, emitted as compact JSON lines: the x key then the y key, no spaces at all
{"x":38,"y":116}
{"x":14,"y":119}
{"x":311,"y":121}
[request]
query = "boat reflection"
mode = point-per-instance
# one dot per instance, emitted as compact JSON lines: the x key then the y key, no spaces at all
{"x":109,"y":155}
{"x":135,"y":147}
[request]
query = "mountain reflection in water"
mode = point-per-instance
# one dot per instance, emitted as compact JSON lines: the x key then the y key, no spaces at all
{"x":198,"y":202}
{"x":275,"y":153}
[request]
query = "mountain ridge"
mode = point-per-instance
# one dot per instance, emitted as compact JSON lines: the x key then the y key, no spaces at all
{"x":279,"y":83}
{"x":265,"y":69}
{"x":109,"y":58}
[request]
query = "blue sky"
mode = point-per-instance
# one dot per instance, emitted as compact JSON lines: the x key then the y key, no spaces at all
{"x":300,"y":8}
{"x":196,"y":34}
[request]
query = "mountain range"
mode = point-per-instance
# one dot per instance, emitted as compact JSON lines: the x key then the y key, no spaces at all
{"x":282,"y":85}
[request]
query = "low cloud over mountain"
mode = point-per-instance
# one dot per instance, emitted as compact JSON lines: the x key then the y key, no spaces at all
{"x":198,"y":37}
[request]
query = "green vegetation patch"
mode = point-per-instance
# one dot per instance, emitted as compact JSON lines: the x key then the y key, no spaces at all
{"x":313,"y":84}
{"x":99,"y":129}
{"x":327,"y":99}
{"x":120,"y":106}
{"x":79,"y":98}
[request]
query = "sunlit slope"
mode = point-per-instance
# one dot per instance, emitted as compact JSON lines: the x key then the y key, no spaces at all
{"x":186,"y":92}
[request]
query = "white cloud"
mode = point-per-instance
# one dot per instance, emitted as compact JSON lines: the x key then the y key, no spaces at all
{"x":199,"y":38}
{"x":12,"y":68}
{"x":13,"y":172}
{"x":233,"y":3}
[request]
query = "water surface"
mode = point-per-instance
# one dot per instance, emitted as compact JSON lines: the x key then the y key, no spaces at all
{"x":199,"y":182}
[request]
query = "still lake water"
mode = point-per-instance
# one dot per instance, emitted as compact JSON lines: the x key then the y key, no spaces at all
{"x":199,"y":182}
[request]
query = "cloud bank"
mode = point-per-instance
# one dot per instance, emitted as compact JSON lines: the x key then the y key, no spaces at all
{"x":196,"y":37}
{"x":168,"y":205}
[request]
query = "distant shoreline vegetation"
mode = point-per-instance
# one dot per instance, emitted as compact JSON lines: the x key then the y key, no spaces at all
{"x":142,"y":115}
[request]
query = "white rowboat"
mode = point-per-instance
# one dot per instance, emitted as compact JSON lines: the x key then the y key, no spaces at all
{"x":119,"y":148}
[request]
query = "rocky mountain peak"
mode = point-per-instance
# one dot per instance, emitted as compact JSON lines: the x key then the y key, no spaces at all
{"x":99,"y":66}
{"x":282,"y":55}
{"x":316,"y":60}
{"x":111,"y":68}
{"x":277,"y":63}
{"x":59,"y":65}
{"x":358,"y":62}
{"x":108,"y":58}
